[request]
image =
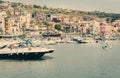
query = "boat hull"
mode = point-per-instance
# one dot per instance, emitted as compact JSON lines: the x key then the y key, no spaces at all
{"x":31,"y":55}
{"x":81,"y":42}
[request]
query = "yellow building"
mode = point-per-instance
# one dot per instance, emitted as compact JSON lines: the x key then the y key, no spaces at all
{"x":8,"y":26}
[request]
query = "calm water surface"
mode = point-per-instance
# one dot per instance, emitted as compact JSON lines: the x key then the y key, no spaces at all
{"x":68,"y":61}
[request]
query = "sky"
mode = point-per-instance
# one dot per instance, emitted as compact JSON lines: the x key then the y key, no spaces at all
{"x":110,"y":6}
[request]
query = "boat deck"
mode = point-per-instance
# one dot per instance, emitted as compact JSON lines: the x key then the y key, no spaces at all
{"x":25,"y":50}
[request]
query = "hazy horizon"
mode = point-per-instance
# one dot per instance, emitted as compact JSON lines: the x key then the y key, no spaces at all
{"x":111,"y":6}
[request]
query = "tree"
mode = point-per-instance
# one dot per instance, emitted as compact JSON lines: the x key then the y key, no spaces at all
{"x":23,"y":36}
{"x":58,"y":26}
{"x":118,"y":30}
{"x":37,"y":6}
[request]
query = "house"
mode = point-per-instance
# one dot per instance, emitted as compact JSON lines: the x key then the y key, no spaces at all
{"x":93,"y":27}
{"x":105,"y":30}
{"x":25,"y":20}
{"x":2,"y":21}
{"x":116,"y":24}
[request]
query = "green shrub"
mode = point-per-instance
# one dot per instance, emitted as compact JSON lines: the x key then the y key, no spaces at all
{"x":58,"y":26}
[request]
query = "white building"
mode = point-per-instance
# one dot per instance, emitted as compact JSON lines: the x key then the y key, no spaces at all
{"x":25,"y":20}
{"x":2,"y":21}
{"x":94,"y":24}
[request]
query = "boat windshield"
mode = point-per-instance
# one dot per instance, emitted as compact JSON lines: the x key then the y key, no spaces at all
{"x":2,"y":47}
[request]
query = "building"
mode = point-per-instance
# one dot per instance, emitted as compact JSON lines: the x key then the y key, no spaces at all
{"x":94,"y":27}
{"x":2,"y":21}
{"x":8,"y":26}
{"x":105,"y":30}
{"x":25,"y":20}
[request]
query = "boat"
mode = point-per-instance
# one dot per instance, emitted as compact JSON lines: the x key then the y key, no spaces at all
{"x":106,"y":46}
{"x":89,"y":40}
{"x":18,"y":51}
{"x":51,"y":34}
{"x":77,"y":38}
{"x":82,"y":41}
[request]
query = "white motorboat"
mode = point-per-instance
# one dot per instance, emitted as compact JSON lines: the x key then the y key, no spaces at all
{"x":19,"y":51}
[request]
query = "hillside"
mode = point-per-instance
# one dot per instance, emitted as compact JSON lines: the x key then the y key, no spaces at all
{"x":95,"y":15}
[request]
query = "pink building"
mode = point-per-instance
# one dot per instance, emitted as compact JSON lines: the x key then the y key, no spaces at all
{"x":105,"y":30}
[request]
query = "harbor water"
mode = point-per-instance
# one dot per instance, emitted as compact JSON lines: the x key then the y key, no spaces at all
{"x":68,"y":61}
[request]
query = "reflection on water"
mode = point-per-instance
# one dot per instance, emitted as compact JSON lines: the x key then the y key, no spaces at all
{"x":68,"y":61}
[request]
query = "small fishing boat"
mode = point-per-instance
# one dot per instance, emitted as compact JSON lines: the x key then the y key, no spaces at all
{"x":106,"y":46}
